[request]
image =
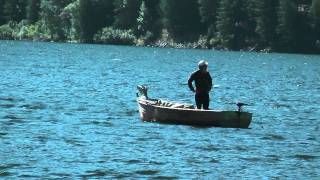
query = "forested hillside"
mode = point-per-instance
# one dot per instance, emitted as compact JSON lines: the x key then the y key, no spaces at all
{"x":260,"y":25}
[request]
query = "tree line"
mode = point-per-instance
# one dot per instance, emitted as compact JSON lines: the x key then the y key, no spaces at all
{"x":270,"y":25}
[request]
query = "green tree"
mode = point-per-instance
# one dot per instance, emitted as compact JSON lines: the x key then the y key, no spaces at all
{"x":234,"y":25}
{"x":306,"y":28}
{"x":316,"y":13}
{"x":182,"y":19}
{"x":286,"y":28}
{"x":266,"y":18}
{"x":14,"y":10}
{"x":53,"y":18}
{"x":85,"y":17}
{"x":94,"y":15}
{"x":316,"y":7}
{"x":149,"y":18}
{"x":126,"y":13}
{"x":2,"y":18}
{"x":33,"y":9}
{"x":73,"y":10}
{"x":143,"y":20}
{"x":226,"y":23}
{"x":208,"y":13}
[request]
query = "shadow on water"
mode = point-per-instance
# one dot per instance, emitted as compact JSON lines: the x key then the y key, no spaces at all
{"x":273,"y":137}
{"x":81,"y":109}
{"x":43,"y":138}
{"x":279,"y":105}
{"x":74,"y":142}
{"x":3,"y":134}
{"x":10,"y":99}
{"x":5,"y":168}
{"x":117,"y":175}
{"x":101,"y":173}
{"x":305,"y":157}
{"x":4,"y":173}
{"x":273,"y":158}
{"x":241,"y":148}
{"x":210,"y":148}
{"x":251,"y":159}
{"x":131,"y":112}
{"x":60,"y":175}
{"x":34,"y":106}
{"x":165,"y":177}
{"x":7,"y":106}
{"x":29,"y":176}
{"x":8,"y":102}
{"x":134,"y":161}
{"x":103,"y":122}
{"x":214,"y":161}
{"x":12,"y":119}
{"x":147,"y":172}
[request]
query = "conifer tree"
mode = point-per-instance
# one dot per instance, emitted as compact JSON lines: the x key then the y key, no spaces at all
{"x":149,"y":18}
{"x":86,"y":30}
{"x":93,"y":16}
{"x":2,"y":18}
{"x":51,"y":15}
{"x":316,"y":13}
{"x":266,"y":22}
{"x":126,"y":13}
{"x":287,"y":15}
{"x":74,"y":25}
{"x":233,"y":24}
{"x":306,"y":28}
{"x":208,"y":13}
{"x":33,"y":8}
{"x":182,"y":19}
{"x":14,"y":10}
{"x":143,"y":19}
{"x":316,"y":7}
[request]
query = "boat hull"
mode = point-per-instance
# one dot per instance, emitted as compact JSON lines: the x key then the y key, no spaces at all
{"x":232,"y":119}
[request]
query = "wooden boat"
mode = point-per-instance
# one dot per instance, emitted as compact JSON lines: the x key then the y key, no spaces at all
{"x":177,"y":113}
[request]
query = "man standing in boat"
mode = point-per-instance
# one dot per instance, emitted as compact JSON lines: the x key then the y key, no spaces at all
{"x":203,"y":83}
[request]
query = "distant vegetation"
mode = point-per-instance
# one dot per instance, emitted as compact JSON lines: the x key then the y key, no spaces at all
{"x":259,"y":25}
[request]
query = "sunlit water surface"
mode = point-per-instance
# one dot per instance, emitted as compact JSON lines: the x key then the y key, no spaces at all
{"x":69,"y":111}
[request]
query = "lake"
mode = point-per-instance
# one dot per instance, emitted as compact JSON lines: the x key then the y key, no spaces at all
{"x":69,"y":111}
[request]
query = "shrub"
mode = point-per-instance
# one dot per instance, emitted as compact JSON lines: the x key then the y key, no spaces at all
{"x":109,"y":35}
{"x":145,"y":39}
{"x":6,"y":32}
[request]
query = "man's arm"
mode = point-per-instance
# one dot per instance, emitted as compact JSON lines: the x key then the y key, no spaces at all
{"x":210,"y":82}
{"x":190,"y":83}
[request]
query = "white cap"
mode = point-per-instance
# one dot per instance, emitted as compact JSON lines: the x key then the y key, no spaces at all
{"x":202,"y":63}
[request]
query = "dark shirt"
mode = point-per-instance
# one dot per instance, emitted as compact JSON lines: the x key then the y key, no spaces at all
{"x":203,"y":81}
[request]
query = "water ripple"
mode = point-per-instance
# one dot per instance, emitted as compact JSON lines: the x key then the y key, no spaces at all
{"x":147,"y":172}
{"x":13,"y":119}
{"x":10,"y":99}
{"x":35,"y":106}
{"x":75,"y":142}
{"x":274,"y":137}
{"x":306,"y":157}
{"x":69,"y":111}
{"x":7,"y":106}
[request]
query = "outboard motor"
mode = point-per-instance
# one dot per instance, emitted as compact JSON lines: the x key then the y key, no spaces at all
{"x":240,"y":104}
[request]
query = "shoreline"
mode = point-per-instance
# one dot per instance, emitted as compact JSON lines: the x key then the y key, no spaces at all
{"x":161,"y":44}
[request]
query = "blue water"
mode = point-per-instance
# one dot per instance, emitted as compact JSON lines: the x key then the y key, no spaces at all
{"x":69,"y":111}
